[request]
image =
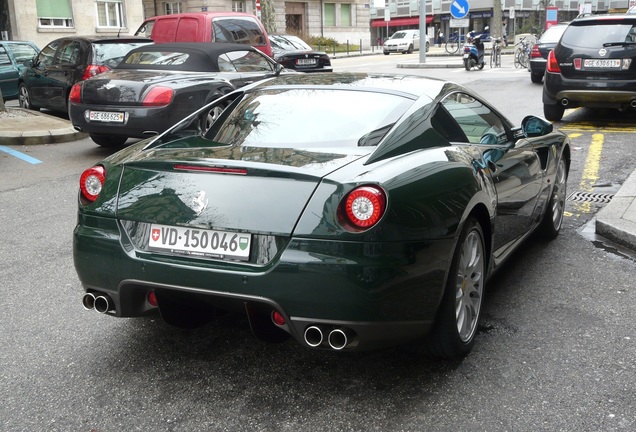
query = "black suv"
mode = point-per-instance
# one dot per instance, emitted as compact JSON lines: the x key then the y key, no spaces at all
{"x":592,"y":66}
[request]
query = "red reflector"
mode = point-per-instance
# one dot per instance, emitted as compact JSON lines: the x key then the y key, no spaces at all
{"x":239,"y":171}
{"x":577,"y":63}
{"x":152,"y":299}
{"x":76,"y":93}
{"x":158,"y":96}
{"x":92,"y":181}
{"x":278,"y":319}
{"x":92,"y":70}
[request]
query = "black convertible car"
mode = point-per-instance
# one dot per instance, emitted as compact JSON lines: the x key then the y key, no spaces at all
{"x":348,"y":211}
{"x":157,"y":85}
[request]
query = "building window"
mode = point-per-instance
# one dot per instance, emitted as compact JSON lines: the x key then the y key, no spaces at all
{"x":110,"y":13}
{"x":238,"y":6}
{"x":172,"y":8}
{"x":54,"y":13}
{"x":345,"y":14}
{"x":330,"y":14}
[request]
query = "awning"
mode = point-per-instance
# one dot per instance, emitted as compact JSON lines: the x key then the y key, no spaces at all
{"x":395,"y":22}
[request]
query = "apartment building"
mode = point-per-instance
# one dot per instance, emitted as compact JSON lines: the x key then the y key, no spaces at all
{"x":44,"y":20}
{"x":41,"y":21}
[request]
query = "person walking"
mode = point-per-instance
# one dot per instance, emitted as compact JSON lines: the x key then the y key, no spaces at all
{"x":440,"y":37}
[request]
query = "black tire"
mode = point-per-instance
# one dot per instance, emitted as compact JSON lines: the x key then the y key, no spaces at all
{"x":427,"y":46}
{"x":481,"y":65}
{"x":25,"y":99}
{"x":553,"y":218}
{"x":386,"y":53}
{"x":108,"y":140}
{"x":409,"y":50}
{"x":553,"y":112}
{"x":467,"y":64}
{"x":453,"y":333}
{"x":536,"y":78}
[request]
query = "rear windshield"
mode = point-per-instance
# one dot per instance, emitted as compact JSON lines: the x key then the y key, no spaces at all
{"x":595,"y":34}
{"x":553,"y":34}
{"x":111,"y":54}
{"x":237,"y":30}
{"x":288,"y":43}
{"x":283,"y":118}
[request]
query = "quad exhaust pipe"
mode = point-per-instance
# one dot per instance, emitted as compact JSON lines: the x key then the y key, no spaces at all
{"x":100,"y":303}
{"x":337,"y":338}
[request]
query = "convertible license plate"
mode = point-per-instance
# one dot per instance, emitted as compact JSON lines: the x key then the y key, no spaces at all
{"x":200,"y":242}
{"x":602,"y":63}
{"x":108,"y":117}
{"x":306,"y":62}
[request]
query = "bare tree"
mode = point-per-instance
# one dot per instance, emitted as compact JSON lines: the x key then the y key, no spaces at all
{"x":268,"y":16}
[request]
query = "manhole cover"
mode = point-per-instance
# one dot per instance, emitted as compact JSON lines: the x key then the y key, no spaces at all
{"x":591,"y":197}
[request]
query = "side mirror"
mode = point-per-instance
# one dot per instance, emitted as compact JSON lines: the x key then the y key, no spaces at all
{"x":533,"y":126}
{"x":29,"y":63}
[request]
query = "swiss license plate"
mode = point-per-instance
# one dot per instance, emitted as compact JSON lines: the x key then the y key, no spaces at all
{"x":466,"y":55}
{"x":200,"y":242}
{"x":306,"y":62}
{"x":602,"y":63}
{"x":108,"y":117}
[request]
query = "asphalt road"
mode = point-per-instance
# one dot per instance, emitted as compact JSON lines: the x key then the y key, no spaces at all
{"x":555,"y":351}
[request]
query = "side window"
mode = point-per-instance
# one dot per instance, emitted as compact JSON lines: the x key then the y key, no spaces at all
{"x":4,"y":57}
{"x":237,"y":30}
{"x":45,"y":58}
{"x":22,"y":52}
{"x":225,"y":64}
{"x":69,"y":53}
{"x":249,"y":61}
{"x":478,"y":122}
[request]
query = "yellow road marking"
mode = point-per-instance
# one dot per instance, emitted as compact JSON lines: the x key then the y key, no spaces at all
{"x":591,"y":169}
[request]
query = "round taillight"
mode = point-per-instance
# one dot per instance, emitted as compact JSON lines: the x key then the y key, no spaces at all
{"x":158,"y":96}
{"x":75,"y":95}
{"x":363,"y":207}
{"x":91,"y":182}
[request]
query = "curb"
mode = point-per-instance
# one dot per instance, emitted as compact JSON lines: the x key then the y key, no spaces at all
{"x":34,"y":128}
{"x":617,"y":220}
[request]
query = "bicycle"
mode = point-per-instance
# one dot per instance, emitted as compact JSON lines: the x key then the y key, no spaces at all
{"x":522,"y":53}
{"x":453,"y":43}
{"x":495,"y":53}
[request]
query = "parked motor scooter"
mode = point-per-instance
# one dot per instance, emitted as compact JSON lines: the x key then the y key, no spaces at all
{"x":474,"y":51}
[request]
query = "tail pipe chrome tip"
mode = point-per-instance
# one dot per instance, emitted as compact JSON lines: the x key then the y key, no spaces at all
{"x":633,"y":103}
{"x":313,"y":336}
{"x":565,"y":102}
{"x":341,"y":338}
{"x":103,"y":304}
{"x":88,"y":301}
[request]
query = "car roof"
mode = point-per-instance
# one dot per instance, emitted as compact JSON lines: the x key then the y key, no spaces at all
{"x":202,"y":55}
{"x":604,"y":17}
{"x":412,"y":86}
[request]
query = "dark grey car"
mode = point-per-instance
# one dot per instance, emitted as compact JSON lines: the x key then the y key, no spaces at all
{"x":540,"y":51}
{"x":592,"y":66}
{"x":48,"y":78}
